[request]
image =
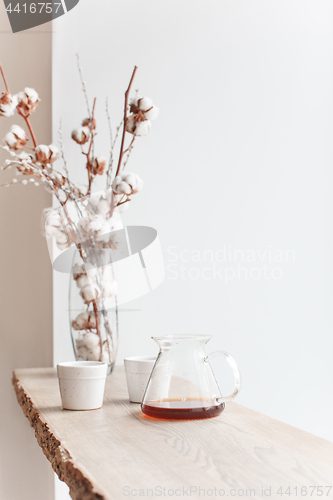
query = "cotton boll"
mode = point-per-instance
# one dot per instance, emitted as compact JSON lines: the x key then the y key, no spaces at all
{"x":152,"y":113}
{"x":82,"y":352}
{"x":8,"y":103}
{"x":119,"y":186}
{"x":81,"y":321}
{"x":99,"y":165}
{"x":61,"y":238}
{"x":82,"y":281}
{"x":31,"y":94}
{"x":130,"y":127}
{"x":81,"y":135}
{"x":10,"y":139}
{"x":54,"y":151}
{"x":19,"y":132}
{"x":142,"y":128}
{"x":16,"y":138}
{"x":78,"y":271}
{"x":131,"y":180}
{"x":89,"y":293}
{"x":134,"y":100}
{"x":145,"y":103}
{"x":87,"y":347}
{"x":28,"y":100}
{"x":91,"y":341}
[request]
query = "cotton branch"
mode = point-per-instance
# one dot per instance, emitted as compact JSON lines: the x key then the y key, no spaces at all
{"x":4,"y":79}
{"x":121,"y":154}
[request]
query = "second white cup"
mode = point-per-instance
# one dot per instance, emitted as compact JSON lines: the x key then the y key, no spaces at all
{"x":138,"y":370}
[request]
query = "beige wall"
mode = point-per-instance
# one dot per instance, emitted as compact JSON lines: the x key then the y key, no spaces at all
{"x":25,"y":271}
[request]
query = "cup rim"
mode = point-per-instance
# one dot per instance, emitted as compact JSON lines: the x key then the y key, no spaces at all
{"x":139,"y":359}
{"x":81,"y":364}
{"x":183,"y":336}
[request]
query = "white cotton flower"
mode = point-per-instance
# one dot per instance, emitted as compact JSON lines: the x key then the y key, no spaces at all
{"x":142,"y":128}
{"x":138,"y":128}
{"x":89,"y":293}
{"x":88,"y":347}
{"x":82,"y":281}
{"x":54,"y":151}
{"x":10,"y":139}
{"x":16,"y":138}
{"x":19,"y":132}
{"x":8,"y":103}
{"x":28,"y":100}
{"x":31,"y":94}
{"x":152,"y":113}
{"x":127,"y":183}
{"x":144,"y":103}
{"x":142,"y":112}
{"x":46,"y":154}
{"x":77,"y":271}
{"x":81,"y":135}
{"x":81,"y":321}
{"x":120,"y":187}
{"x":61,"y":238}
{"x":91,"y":224}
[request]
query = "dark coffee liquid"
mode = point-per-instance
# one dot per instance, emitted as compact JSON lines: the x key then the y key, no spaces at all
{"x":181,"y":409}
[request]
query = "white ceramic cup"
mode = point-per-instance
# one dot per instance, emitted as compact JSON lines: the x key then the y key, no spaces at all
{"x":82,"y":384}
{"x":138,"y":370}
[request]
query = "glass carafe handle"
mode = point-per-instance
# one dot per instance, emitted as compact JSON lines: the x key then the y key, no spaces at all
{"x":235,"y":370}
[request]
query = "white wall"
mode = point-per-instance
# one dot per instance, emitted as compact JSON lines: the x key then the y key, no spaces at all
{"x":25,"y":271}
{"x":240,"y":157}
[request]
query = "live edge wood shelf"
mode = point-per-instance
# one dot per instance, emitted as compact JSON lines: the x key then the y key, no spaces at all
{"x":116,"y":452}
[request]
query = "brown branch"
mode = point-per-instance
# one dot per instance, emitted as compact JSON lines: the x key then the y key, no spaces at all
{"x":97,"y":328}
{"x":4,"y":79}
{"x":122,"y":202}
{"x":121,"y":154}
{"x":26,"y":119}
{"x":129,"y":147}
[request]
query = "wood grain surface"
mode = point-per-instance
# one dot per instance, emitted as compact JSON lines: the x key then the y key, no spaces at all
{"x":116,"y":452}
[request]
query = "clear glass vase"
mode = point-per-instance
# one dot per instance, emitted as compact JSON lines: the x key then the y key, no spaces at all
{"x":94,"y":324}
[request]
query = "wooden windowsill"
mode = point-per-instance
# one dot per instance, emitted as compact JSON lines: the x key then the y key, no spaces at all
{"x":115,"y":452}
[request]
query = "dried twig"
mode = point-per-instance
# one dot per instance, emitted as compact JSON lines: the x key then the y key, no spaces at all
{"x":4,"y":79}
{"x":62,"y":149}
{"x":83,"y":83}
